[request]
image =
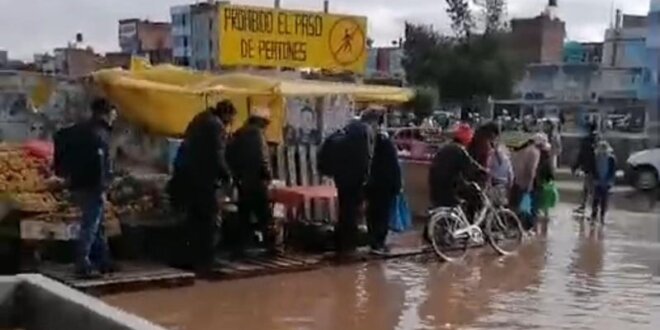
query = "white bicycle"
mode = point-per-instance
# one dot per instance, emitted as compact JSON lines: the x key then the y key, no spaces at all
{"x":450,"y":232}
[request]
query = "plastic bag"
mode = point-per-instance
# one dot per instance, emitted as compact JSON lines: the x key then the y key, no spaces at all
{"x":549,"y":196}
{"x":400,"y":219}
{"x":526,"y":205}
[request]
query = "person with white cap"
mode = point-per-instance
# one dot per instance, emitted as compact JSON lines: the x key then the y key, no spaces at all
{"x":250,"y":162}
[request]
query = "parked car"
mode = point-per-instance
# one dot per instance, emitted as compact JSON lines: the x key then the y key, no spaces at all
{"x":643,"y":168}
{"x":415,"y":142}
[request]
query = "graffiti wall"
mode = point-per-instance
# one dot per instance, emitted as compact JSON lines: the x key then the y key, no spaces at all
{"x":310,"y":119}
{"x":34,"y":106}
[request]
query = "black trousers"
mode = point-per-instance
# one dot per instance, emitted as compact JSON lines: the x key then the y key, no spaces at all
{"x":379,"y":211}
{"x":350,"y":199}
{"x":253,"y":201}
{"x":202,"y":229}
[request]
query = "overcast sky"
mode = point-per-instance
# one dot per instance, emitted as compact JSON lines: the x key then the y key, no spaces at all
{"x":29,"y":26}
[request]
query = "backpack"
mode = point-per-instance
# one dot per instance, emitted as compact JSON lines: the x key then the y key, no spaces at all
{"x":64,"y":142}
{"x":75,"y":157}
{"x":327,"y":156}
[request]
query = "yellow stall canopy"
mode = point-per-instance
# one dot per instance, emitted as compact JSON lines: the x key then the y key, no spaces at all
{"x":163,"y":99}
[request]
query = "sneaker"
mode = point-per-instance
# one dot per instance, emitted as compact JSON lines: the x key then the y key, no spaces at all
{"x":381,"y":250}
{"x":579,"y":209}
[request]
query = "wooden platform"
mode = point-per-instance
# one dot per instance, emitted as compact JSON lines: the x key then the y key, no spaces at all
{"x":263,"y":265}
{"x":132,"y":277}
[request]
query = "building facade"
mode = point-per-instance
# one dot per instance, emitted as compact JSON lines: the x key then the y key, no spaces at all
{"x":4,"y":58}
{"x":653,"y":62}
{"x":539,"y":39}
{"x":384,"y":66}
{"x":143,"y":37}
{"x":195,"y":35}
{"x":76,"y":62}
{"x":181,"y":34}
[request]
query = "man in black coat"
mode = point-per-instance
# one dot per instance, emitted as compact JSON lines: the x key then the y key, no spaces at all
{"x":354,"y":158}
{"x":250,"y":161}
{"x":206,"y":169}
{"x":586,"y":162}
{"x":382,"y":189}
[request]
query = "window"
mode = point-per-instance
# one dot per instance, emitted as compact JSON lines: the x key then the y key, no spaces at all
{"x":210,"y":24}
{"x":185,"y":42}
{"x":210,"y":46}
{"x":183,"y":20}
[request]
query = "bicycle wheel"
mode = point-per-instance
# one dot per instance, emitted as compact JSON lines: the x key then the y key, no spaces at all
{"x":505,"y":231}
{"x":440,"y":233}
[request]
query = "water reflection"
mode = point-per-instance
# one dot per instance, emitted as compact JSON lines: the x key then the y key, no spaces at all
{"x":571,"y":276}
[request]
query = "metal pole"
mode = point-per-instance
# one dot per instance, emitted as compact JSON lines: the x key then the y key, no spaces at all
{"x":326,"y":6}
{"x":277,"y":3}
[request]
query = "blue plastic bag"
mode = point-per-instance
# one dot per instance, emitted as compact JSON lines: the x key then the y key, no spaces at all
{"x":400,"y":219}
{"x":526,"y":204}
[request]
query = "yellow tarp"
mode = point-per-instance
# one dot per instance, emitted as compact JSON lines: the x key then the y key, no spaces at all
{"x":163,"y":99}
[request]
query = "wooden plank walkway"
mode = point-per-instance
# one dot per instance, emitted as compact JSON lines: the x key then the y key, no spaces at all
{"x":289,"y":263}
{"x":133,"y":276}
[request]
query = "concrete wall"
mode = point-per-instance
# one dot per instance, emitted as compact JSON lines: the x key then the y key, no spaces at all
{"x":623,"y":144}
{"x":33,"y":302}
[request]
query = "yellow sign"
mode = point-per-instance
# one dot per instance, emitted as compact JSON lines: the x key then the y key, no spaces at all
{"x":257,"y":36}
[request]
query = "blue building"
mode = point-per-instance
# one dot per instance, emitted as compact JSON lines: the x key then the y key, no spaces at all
{"x":195,"y":35}
{"x":653,"y":60}
{"x":181,"y":34}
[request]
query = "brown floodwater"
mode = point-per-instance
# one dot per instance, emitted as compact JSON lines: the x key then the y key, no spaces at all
{"x":571,"y":276}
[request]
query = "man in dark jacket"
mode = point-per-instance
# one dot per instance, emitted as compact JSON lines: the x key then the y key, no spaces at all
{"x":586,"y":162}
{"x":89,"y":176}
{"x":250,"y":161}
{"x":383,"y":187}
{"x":355,"y":154}
{"x":205,"y":168}
{"x":450,"y":167}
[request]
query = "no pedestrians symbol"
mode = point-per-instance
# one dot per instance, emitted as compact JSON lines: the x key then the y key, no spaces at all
{"x":347,"y":41}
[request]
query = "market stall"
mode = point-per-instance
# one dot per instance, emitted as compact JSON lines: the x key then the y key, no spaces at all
{"x":163,"y":99}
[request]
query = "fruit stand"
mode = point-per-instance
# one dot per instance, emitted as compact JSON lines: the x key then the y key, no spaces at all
{"x":34,"y":209}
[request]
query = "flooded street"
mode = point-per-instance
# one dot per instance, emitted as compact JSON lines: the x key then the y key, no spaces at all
{"x":571,"y":276}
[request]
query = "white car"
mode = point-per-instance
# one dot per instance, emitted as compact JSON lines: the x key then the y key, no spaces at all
{"x":643,"y":168}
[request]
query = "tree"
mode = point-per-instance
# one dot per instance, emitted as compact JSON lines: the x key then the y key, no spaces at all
{"x":422,"y":103}
{"x":461,"y":70}
{"x":461,"y":18}
{"x":494,"y":12}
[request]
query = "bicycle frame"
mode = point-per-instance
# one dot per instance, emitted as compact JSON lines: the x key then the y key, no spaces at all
{"x":474,"y":230}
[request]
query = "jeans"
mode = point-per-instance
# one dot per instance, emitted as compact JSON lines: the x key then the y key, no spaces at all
{"x":601,"y":201}
{"x":92,"y":247}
